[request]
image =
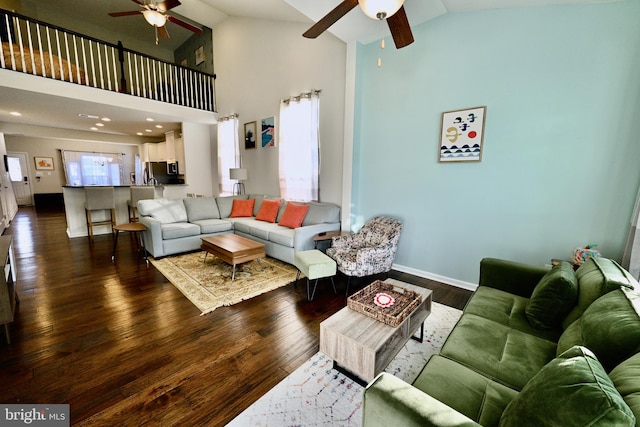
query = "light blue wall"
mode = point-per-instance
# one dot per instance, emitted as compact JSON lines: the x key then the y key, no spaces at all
{"x":561,"y":146}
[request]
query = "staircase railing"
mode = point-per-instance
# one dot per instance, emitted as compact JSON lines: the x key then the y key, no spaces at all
{"x":37,"y":48}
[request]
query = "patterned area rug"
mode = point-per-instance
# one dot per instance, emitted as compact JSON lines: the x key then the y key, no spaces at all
{"x":208,"y":284}
{"x":315,"y":395}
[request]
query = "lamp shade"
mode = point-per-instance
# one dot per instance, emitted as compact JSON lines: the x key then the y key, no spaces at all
{"x":154,"y":18}
{"x":238,"y":173}
{"x":380,"y":9}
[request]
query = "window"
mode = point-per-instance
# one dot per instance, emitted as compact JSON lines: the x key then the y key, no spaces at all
{"x":84,"y":168}
{"x":228,"y":157}
{"x":299,"y":147}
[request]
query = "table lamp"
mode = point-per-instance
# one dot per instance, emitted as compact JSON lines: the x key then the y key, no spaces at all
{"x":239,"y":174}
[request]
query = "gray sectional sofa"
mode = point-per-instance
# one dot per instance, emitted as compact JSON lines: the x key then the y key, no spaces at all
{"x":177,"y":225}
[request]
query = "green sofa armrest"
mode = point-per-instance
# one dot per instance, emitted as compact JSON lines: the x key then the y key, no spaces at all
{"x":389,"y":401}
{"x":510,"y":276}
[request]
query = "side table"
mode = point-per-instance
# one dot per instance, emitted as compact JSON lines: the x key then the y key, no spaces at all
{"x":322,"y":237}
{"x":132,"y":227}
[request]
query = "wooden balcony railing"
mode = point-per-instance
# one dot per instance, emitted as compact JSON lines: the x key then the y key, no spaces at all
{"x":37,"y":48}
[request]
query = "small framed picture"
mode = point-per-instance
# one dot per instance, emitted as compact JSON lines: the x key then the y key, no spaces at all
{"x":461,"y":135}
{"x":268,"y":132}
{"x":200,"y":55}
{"x":44,"y":163}
{"x":250,"y":135}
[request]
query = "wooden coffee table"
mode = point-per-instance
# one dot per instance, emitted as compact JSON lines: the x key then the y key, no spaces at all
{"x":232,"y":249}
{"x":361,"y":346}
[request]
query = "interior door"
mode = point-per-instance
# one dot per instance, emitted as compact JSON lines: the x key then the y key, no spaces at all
{"x":19,"y":174}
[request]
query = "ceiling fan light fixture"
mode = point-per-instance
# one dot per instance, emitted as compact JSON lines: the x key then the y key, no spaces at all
{"x":380,"y":9}
{"x":155,"y":18}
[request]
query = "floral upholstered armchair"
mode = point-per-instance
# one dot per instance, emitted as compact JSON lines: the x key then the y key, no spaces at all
{"x":369,"y":251}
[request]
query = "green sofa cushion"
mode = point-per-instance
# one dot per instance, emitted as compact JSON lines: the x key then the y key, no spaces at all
{"x":468,"y":392}
{"x":572,"y":390}
{"x":625,"y":378}
{"x":611,"y":327}
{"x":570,"y":337}
{"x":504,"y":354}
{"x":507,"y":309}
{"x":553,"y":297}
{"x":597,"y":277}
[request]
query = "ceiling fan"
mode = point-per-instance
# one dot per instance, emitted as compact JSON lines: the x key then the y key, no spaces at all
{"x":391,"y":10}
{"x":155,"y":13}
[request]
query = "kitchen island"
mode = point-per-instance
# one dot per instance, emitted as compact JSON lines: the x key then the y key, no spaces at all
{"x":74,"y":202}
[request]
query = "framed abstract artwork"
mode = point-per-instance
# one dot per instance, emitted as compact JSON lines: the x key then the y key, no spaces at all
{"x":268,"y":132}
{"x":461,"y":135}
{"x":44,"y":163}
{"x":250,"y":135}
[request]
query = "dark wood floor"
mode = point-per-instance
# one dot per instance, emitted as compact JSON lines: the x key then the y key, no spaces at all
{"x":122,"y":346}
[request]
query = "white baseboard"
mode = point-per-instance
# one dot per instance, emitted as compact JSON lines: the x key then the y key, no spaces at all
{"x":438,"y":278}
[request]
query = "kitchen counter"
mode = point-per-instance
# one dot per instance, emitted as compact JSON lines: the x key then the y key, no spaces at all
{"x":74,"y":202}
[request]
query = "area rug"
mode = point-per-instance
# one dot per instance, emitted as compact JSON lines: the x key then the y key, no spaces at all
{"x":207,"y":282}
{"x":316,"y":395}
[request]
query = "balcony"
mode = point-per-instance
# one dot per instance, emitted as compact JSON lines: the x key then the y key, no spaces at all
{"x":33,"y":47}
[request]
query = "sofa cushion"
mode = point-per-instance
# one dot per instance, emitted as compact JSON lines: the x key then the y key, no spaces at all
{"x":242,"y":208}
{"x":268,"y":210}
{"x":596,"y":277}
{"x":468,"y":392}
{"x":283,"y":236}
{"x":208,"y":226}
{"x":164,"y":210}
{"x":225,"y":204}
{"x":611,"y":327}
{"x":625,"y":378}
{"x":293,"y":215}
{"x":179,"y":229}
{"x":507,"y":309}
{"x":258,"y":198}
{"x":572,"y":390}
{"x":199,"y":208}
{"x":570,"y":337}
{"x":507,"y":355}
{"x":320,"y":213}
{"x":553,"y":297}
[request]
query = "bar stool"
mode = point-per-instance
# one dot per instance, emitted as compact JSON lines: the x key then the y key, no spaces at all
{"x":100,"y":199}
{"x":138,"y":193}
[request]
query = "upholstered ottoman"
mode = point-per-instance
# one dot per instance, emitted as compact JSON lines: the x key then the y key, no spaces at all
{"x":315,"y":265}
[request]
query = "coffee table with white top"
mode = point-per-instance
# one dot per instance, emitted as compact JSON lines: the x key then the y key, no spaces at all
{"x":361,"y":346}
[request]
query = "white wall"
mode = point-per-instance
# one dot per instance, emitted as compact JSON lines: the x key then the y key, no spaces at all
{"x":7,"y":197}
{"x":259,"y":62}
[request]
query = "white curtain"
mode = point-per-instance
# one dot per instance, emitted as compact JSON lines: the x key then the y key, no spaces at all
{"x":299,"y":147}
{"x":631,"y":257}
{"x":228,"y":153}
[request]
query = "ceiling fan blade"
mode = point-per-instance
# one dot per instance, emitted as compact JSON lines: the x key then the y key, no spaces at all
{"x":133,"y":12}
{"x":165,"y":5}
{"x":330,"y":18}
{"x":184,"y":24}
{"x":400,"y":28}
{"x":162,"y":32}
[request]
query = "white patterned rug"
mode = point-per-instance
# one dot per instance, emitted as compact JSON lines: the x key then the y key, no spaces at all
{"x":316,"y":395}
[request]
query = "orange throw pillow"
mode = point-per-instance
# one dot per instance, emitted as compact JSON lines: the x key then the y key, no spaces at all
{"x":268,"y":211}
{"x":242,"y":208}
{"x":293,"y":215}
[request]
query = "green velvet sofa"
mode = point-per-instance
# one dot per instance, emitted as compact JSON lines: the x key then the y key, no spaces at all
{"x":534,"y":347}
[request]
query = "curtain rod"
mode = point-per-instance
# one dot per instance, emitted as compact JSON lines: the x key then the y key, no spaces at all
{"x":229,"y":117}
{"x":297,"y":98}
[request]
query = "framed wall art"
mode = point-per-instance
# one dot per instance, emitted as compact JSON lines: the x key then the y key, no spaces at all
{"x":250,"y":135}
{"x":268,"y":132}
{"x":461,"y":135}
{"x":44,"y":163}
{"x":199,"y":54}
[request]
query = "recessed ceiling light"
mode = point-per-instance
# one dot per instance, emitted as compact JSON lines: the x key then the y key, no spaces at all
{"x":100,"y":124}
{"x":148,"y":130}
{"x":15,"y":113}
{"x":139,"y":134}
{"x":94,"y":128}
{"x":88,"y":116}
{"x":149,"y":119}
{"x":159,"y":126}
{"x":106,"y":119}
